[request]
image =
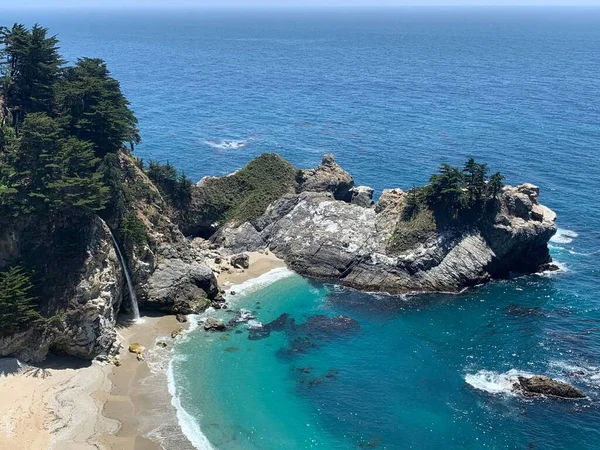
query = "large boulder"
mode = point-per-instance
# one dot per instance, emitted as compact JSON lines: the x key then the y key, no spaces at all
{"x":540,"y":385}
{"x":362,"y":196}
{"x":329,"y":177}
{"x":240,"y":261}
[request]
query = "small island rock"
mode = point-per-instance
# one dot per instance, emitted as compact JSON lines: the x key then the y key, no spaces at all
{"x":541,"y":385}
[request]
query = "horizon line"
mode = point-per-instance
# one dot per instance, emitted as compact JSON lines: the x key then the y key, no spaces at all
{"x":187,"y":7}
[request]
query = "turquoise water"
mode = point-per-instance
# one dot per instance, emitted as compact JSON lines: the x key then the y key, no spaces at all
{"x":393,"y":94}
{"x":421,"y":372}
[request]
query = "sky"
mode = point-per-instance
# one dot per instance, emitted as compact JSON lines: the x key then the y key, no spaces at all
{"x":45,"y":4}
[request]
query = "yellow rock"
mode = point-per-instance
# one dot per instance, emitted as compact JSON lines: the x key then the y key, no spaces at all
{"x":137,"y":349}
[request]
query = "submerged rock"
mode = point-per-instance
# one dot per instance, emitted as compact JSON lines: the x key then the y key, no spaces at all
{"x":541,"y":385}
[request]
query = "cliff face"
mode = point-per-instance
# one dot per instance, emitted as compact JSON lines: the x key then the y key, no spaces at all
{"x":168,"y":275}
{"x":322,"y":237}
{"x":84,"y":323}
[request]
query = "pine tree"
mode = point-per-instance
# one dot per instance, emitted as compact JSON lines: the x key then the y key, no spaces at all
{"x":445,"y":189}
{"x":475,"y":177}
{"x":495,"y":184}
{"x":32,"y":65}
{"x":91,"y":107}
{"x":17,"y":305}
{"x":54,"y":175}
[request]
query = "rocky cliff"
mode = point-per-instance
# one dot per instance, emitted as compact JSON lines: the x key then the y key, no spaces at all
{"x":323,"y":232}
{"x":316,"y":220}
{"x":83,"y":323}
{"x":168,"y":274}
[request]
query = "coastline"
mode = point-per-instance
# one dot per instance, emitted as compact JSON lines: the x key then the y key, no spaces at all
{"x":70,"y":404}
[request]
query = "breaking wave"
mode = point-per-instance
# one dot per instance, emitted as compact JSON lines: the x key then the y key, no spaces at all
{"x":563,"y":236}
{"x":495,"y":383}
{"x":256,"y":284}
{"x":227,"y":144}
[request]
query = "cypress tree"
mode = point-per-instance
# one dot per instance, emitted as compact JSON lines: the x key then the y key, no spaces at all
{"x":17,"y":305}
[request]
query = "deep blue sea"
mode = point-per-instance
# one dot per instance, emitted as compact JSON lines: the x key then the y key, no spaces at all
{"x":392,"y":94}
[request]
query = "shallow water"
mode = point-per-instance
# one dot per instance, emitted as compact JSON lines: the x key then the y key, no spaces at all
{"x":392,"y":95}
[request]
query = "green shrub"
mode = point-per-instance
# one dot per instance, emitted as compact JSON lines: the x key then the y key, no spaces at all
{"x":413,"y":231}
{"x":246,"y":194}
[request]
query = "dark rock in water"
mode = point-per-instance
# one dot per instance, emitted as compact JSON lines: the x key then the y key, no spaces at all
{"x":549,"y":267}
{"x":305,"y":370}
{"x":307,"y":335}
{"x":232,"y":349}
{"x":540,"y":385}
{"x":282,"y":323}
{"x":181,"y":318}
{"x":333,"y":373}
{"x":520,"y":311}
{"x":212,"y":324}
{"x":325,"y":327}
{"x":241,"y":261}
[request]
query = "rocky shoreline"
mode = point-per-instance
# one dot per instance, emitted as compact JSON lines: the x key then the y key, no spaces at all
{"x":331,"y":230}
{"x":319,"y":223}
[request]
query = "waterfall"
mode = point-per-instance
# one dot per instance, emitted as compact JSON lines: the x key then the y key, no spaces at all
{"x":134,"y":304}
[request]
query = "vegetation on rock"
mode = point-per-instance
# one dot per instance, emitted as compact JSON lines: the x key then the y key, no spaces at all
{"x":454,"y":197}
{"x":176,"y":188}
{"x":244,"y":195}
{"x":61,"y":131}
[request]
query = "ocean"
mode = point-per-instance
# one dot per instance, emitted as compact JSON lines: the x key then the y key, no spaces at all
{"x":392,"y":94}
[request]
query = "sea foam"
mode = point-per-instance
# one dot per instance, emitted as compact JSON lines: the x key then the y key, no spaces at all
{"x":256,"y":284}
{"x":189,"y":425}
{"x":563,"y":236}
{"x":227,"y":144}
{"x":494,"y":382}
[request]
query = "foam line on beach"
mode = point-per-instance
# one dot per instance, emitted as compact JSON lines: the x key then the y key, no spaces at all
{"x":189,"y":425}
{"x":258,"y":283}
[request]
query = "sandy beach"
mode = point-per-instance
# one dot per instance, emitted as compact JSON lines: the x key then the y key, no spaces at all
{"x":69,"y":404}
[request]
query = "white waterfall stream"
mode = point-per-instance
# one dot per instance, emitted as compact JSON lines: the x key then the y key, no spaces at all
{"x":134,"y":304}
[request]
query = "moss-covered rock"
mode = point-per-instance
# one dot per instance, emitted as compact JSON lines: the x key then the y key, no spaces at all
{"x":240,"y":197}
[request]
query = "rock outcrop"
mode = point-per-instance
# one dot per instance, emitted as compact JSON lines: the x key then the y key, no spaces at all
{"x":321,"y":234}
{"x":362,"y":196}
{"x":329,"y":177}
{"x":541,"y":385}
{"x":170,"y":275}
{"x":84,"y":327}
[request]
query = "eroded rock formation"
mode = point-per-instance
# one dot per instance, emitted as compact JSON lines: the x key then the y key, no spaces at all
{"x":323,"y":234}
